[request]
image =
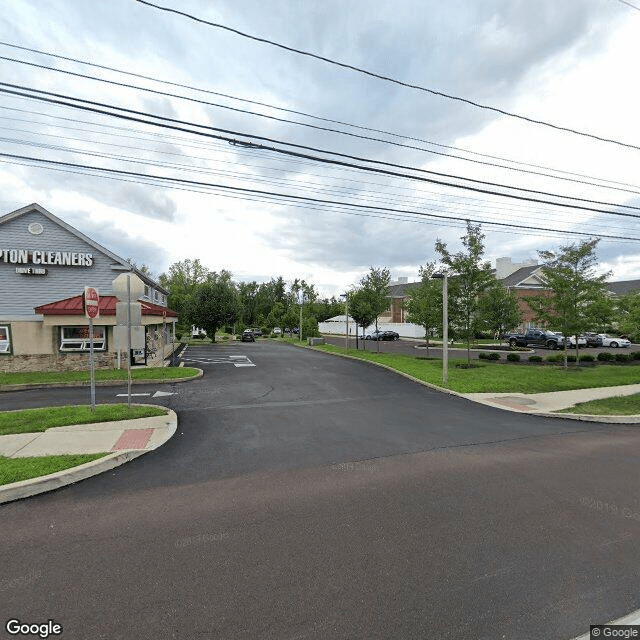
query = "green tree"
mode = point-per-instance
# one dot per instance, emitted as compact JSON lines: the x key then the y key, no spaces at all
{"x":498,"y":309}
{"x":214,"y":304}
{"x":361,"y":309}
{"x":424,"y":302}
{"x":629,"y":315}
{"x":601,"y":313}
{"x":573,"y":288}
{"x":181,"y":281}
{"x":470,"y":278}
{"x":376,"y":285}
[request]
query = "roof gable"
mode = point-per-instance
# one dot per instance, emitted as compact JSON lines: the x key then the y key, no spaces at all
{"x":120,"y":263}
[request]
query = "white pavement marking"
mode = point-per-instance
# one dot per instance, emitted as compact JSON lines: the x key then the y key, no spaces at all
{"x":236,"y":361}
{"x":158,"y":394}
{"x":124,"y":395}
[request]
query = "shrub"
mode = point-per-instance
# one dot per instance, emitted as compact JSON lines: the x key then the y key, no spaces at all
{"x":513,"y":357}
{"x":483,"y":355}
{"x":634,"y":355}
{"x":556,"y":358}
{"x":621,"y":357}
{"x":493,"y":356}
{"x":605,"y":356}
{"x":587,"y":357}
{"x":532,"y":358}
{"x":571,"y":359}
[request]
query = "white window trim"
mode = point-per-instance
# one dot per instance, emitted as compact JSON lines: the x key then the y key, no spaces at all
{"x":5,"y":345}
{"x":83,"y":344}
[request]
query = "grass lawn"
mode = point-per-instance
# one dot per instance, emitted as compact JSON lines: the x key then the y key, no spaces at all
{"x":616,"y":406}
{"x":33,"y":420}
{"x":44,"y":377}
{"x":492,"y":377}
{"x":17,"y":469}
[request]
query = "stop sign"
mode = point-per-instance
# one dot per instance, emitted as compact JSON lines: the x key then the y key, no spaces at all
{"x":91,"y":302}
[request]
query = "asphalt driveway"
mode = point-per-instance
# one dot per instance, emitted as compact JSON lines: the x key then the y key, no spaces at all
{"x":312,"y":497}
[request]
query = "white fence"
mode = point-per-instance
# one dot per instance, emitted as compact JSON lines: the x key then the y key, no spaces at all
{"x":405,"y":329}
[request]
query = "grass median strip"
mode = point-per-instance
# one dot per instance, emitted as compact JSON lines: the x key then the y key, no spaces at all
{"x":52,"y":377}
{"x":616,"y":406}
{"x":500,"y":378}
{"x":17,"y":469}
{"x":34,"y":420}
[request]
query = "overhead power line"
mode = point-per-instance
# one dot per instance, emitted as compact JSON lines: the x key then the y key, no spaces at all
{"x":413,"y":147}
{"x":392,"y":80}
{"x":297,"y":198}
{"x":181,"y":125}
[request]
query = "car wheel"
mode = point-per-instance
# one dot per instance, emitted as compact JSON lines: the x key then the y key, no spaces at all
{"x":396,"y":337}
{"x":513,"y":342}
{"x":614,"y":345}
{"x":552,"y":345}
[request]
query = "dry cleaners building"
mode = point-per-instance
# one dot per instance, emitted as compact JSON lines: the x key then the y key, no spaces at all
{"x":45,"y":264}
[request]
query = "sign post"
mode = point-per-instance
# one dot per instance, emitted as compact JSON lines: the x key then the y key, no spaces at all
{"x":128,"y":287}
{"x":92,"y":311}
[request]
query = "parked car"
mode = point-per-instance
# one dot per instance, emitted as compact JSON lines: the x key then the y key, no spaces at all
{"x":536,"y":338}
{"x":608,"y":341}
{"x":571,"y":341}
{"x":593,"y":339}
{"x":257,"y":332}
{"x":277,"y":331}
{"x":382,"y":335}
{"x":247,"y":336}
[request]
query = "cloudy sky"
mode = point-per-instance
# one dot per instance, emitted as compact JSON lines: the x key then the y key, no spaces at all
{"x":261,"y":213}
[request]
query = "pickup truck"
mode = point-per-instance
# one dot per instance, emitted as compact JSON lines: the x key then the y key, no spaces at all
{"x":536,"y":338}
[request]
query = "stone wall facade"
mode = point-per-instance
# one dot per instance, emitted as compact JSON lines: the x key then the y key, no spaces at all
{"x":56,"y":362}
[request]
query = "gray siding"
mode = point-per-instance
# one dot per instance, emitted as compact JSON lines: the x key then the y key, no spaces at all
{"x":19,"y":293}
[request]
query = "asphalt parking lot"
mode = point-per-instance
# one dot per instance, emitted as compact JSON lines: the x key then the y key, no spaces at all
{"x":411,"y":346}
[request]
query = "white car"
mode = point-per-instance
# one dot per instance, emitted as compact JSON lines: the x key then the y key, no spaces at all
{"x":608,"y":341}
{"x":582,"y":341}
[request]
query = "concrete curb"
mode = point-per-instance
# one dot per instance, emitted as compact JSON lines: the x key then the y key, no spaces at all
{"x":633,"y":419}
{"x":43,"y":484}
{"x":102,"y":383}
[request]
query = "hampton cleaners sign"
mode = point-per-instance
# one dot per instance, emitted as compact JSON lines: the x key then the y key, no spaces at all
{"x":36,"y":257}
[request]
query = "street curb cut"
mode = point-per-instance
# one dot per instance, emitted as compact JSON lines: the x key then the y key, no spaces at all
{"x":101,"y":383}
{"x":634,"y":419}
{"x":43,"y":484}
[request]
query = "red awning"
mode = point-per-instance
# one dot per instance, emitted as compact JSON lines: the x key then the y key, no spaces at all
{"x":73,"y":307}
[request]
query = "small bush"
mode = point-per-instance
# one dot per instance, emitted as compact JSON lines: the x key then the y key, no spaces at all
{"x":571,"y":359}
{"x":493,"y":356}
{"x":532,"y":358}
{"x":513,"y":357}
{"x":587,"y":357}
{"x":621,"y":357}
{"x":483,"y":355}
{"x":557,"y":358}
{"x":634,"y":355}
{"x":605,"y":356}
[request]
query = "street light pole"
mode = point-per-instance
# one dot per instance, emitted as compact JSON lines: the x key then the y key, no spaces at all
{"x":346,"y":316}
{"x":445,"y":325}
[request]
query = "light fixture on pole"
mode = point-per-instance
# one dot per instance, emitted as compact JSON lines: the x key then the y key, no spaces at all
{"x":445,"y":325}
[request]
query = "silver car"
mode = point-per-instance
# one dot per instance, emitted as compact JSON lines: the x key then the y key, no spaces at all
{"x":608,"y":341}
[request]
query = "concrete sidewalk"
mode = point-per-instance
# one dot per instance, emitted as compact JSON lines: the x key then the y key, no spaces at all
{"x":548,"y":403}
{"x":122,"y":440}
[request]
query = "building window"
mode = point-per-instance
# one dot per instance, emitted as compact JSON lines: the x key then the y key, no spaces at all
{"x":147,"y":291}
{"x":5,"y":339}
{"x":78,"y":339}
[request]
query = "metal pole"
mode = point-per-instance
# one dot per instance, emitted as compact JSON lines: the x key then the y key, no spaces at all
{"x":92,"y":366}
{"x":346,"y":313}
{"x":129,"y":340}
{"x":445,"y":331}
{"x":300,"y":325}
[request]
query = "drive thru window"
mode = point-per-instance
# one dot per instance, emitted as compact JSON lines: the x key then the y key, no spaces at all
{"x":78,"y":338}
{"x":5,"y":339}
